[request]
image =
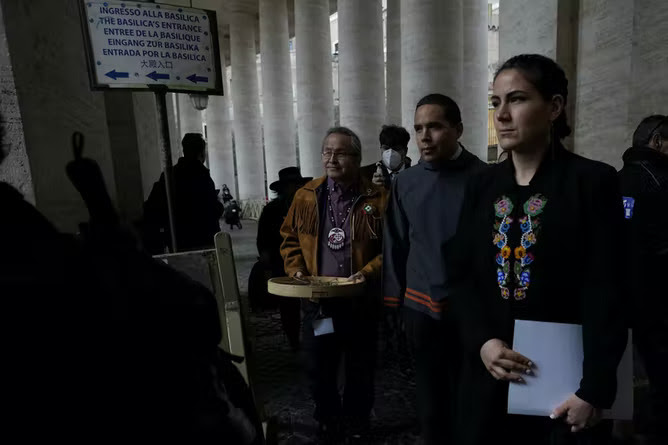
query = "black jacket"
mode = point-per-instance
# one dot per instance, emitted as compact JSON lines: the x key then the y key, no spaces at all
{"x":269,"y":237}
{"x":421,"y":218}
{"x":127,"y":342}
{"x":644,"y":187}
{"x":55,"y":322}
{"x":197,"y":210}
{"x":368,"y":171}
{"x":574,"y":271}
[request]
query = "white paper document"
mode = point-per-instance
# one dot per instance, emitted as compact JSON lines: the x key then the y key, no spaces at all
{"x":323,"y":326}
{"x":556,"y":351}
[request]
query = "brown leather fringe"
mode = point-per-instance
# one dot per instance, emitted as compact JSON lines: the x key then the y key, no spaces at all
{"x":306,"y":219}
{"x":366,"y":227}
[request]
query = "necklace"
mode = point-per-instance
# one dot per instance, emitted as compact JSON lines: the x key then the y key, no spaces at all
{"x":337,"y":236}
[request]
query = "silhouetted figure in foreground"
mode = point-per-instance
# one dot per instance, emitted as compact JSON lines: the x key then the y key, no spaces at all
{"x":106,"y":341}
{"x":197,"y":210}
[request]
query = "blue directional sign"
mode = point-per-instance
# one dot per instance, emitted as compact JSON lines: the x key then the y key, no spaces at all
{"x":195,"y":78}
{"x":115,"y":75}
{"x":156,"y":76}
{"x":138,"y":45}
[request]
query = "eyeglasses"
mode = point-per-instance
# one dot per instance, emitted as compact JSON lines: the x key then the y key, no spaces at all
{"x":328,"y":154}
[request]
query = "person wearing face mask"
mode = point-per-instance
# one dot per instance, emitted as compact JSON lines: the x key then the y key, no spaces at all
{"x":393,"y":160}
{"x":644,"y":187}
{"x":421,"y":218}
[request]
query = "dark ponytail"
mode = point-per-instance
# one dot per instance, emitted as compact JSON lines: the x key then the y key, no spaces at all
{"x":548,"y":78}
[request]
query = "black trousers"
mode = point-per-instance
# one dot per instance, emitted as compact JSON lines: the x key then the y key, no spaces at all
{"x":651,"y":339}
{"x":482,"y":419}
{"x":353,"y":341}
{"x":433,"y":346}
{"x":290,"y":319}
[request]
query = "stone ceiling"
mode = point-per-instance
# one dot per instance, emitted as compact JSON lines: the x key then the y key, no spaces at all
{"x":224,"y":7}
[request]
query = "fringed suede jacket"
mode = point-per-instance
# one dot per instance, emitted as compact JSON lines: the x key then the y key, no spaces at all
{"x":301,"y":230}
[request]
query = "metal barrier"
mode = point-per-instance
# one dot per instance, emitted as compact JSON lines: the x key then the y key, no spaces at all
{"x":215,"y":269}
{"x":252,"y":208}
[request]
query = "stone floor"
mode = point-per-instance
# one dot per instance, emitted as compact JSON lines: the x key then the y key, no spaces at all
{"x":281,"y":385}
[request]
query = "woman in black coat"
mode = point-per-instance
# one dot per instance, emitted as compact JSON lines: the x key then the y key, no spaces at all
{"x":538,"y":239}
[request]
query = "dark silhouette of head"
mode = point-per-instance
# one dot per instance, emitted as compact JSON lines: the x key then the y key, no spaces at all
{"x":194,"y":146}
{"x":652,"y":132}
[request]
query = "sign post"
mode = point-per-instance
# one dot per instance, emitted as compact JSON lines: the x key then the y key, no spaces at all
{"x":158,"y":47}
{"x":161,"y":102}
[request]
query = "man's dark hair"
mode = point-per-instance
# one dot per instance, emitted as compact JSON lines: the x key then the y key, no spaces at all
{"x":450,"y":108}
{"x":648,"y":127}
{"x":394,"y":136}
{"x":547,"y":77}
{"x":193,"y":145}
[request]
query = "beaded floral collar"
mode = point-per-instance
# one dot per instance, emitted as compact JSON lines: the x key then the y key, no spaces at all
{"x":530,"y":225}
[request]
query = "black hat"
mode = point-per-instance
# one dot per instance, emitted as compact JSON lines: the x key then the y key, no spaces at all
{"x":286,"y":176}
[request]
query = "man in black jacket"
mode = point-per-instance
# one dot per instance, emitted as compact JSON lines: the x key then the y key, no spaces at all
{"x":644,"y":184}
{"x":197,"y":210}
{"x":421,"y":218}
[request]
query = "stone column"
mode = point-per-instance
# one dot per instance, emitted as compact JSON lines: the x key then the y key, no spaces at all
{"x":315,"y":103}
{"x":56,"y":100}
{"x":393,"y":62}
{"x":15,"y":168}
{"x":547,"y":27}
{"x":621,"y":73}
{"x":190,"y":119}
{"x":649,"y":63}
{"x":148,"y":139}
{"x":528,"y":26}
{"x":474,"y":106}
{"x":361,"y":72}
{"x":122,"y":123}
{"x":174,"y":126}
{"x":431,"y":55}
{"x":246,"y":102}
{"x":219,"y":128}
{"x":173,"y":102}
{"x":601,"y":125}
{"x":278,"y":117}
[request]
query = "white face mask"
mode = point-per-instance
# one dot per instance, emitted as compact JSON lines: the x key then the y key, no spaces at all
{"x":392,"y":159}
